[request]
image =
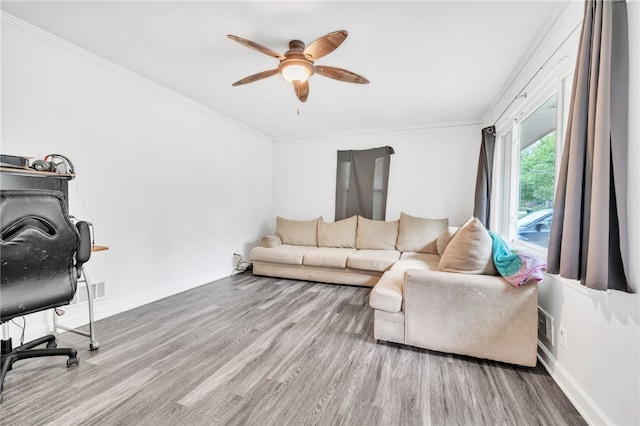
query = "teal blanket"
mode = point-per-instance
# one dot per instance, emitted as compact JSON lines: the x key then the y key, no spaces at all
{"x":516,"y":268}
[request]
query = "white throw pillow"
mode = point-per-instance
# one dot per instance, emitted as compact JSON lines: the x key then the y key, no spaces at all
{"x":470,"y":251}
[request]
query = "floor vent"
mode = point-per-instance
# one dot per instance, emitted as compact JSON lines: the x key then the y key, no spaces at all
{"x":82,"y":296}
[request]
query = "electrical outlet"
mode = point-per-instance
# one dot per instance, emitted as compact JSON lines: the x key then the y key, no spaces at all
{"x":562,"y":336}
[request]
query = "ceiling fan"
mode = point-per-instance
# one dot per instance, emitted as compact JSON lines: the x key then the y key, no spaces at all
{"x":297,"y":64}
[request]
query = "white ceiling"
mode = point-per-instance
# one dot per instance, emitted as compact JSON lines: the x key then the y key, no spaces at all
{"x":428,"y":62}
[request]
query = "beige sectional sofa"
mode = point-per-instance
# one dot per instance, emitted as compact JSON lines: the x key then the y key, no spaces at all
{"x":355,"y":251}
{"x":434,"y":286}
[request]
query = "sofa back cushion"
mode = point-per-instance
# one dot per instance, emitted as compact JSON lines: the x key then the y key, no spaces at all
{"x":298,"y":232}
{"x":418,"y":234}
{"x":341,"y":233}
{"x":445,"y":238}
{"x":469,"y":251}
{"x":376,"y":234}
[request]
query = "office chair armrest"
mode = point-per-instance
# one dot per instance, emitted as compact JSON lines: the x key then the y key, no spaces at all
{"x":84,"y":246}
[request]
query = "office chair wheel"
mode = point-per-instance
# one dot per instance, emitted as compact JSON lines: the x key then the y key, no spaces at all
{"x":73,"y":361}
{"x":93,"y":346}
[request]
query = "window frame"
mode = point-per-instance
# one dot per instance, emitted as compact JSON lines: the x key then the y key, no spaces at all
{"x":507,"y":161}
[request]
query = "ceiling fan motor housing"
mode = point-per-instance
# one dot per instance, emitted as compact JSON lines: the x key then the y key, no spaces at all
{"x":296,"y":65}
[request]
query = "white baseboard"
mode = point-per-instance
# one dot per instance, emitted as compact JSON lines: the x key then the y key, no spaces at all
{"x":589,"y":410}
{"x":77,"y":315}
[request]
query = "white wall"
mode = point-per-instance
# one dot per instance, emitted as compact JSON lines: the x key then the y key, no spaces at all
{"x":600,"y":367}
{"x":167,"y":183}
{"x":171,"y":190}
{"x":432,"y":172}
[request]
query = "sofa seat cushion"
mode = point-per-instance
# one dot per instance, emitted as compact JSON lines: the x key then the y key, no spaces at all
{"x":425,"y":257}
{"x":329,"y":257}
{"x":388,"y":292}
{"x":373,"y":260}
{"x":413,"y":260}
{"x":285,"y":253}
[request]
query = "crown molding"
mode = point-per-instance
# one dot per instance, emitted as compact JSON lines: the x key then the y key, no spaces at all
{"x":23,"y":28}
{"x":365,"y":132}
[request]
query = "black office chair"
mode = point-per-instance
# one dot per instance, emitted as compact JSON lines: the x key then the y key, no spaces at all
{"x":42,"y":254}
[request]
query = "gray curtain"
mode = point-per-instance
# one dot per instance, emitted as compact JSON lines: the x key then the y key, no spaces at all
{"x":361,"y":183}
{"x":482,"y":203}
{"x":589,"y":230}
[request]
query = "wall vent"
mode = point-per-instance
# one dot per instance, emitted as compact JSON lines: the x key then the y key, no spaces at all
{"x":82,"y":296}
{"x":545,"y":327}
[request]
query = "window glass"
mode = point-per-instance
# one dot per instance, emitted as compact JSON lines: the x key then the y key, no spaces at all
{"x":536,"y":174}
{"x":502,"y":182}
{"x":378,"y":189}
{"x":342,"y":187}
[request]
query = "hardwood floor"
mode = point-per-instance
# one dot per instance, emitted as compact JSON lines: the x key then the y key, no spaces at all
{"x":249,"y":350}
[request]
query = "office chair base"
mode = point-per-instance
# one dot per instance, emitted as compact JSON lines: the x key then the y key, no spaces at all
{"x":93,"y":343}
{"x":26,"y":351}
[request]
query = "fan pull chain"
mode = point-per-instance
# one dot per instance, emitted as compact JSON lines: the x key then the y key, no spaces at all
{"x":298,"y":110}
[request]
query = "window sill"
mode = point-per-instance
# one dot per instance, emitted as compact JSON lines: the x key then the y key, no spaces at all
{"x":596,"y":295}
{"x":533,"y":249}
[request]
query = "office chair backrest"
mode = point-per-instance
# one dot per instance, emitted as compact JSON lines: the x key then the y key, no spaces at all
{"x":39,"y":246}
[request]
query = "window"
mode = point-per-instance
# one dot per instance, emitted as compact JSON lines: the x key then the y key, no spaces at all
{"x":361,"y":183}
{"x":380,"y":179}
{"x":536,"y":173}
{"x":528,"y":152}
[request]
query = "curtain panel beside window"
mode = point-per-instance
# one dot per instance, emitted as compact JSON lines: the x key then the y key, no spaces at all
{"x":482,"y":203}
{"x":588,"y":240}
{"x":361,"y":183}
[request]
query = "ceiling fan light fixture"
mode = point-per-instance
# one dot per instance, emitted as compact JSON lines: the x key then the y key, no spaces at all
{"x":297,"y":63}
{"x":296,"y":69}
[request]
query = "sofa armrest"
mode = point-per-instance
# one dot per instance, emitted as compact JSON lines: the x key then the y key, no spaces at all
{"x":477,"y":315}
{"x":270,"y":241}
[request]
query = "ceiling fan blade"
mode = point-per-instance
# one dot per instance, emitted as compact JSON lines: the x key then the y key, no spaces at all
{"x":302,"y":90}
{"x":326,"y":44}
{"x":255,"y":46}
{"x":340,"y":74}
{"x":255,"y":77}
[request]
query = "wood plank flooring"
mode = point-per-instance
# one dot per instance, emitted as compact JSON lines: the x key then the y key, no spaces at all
{"x":249,"y":350}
